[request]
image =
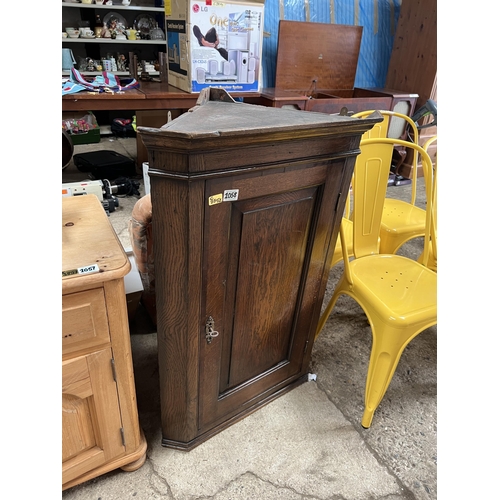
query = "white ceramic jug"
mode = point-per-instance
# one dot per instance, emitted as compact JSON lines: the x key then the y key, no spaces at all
{"x":68,"y":60}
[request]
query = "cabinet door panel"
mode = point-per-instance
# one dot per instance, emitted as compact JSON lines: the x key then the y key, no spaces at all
{"x":258,"y":252}
{"x":91,"y":422}
{"x":269,"y":271}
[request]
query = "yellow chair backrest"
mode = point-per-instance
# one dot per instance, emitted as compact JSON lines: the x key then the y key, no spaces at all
{"x":370,"y":186}
{"x":370,"y":179}
{"x":383,"y":129}
{"x":432,"y":259}
{"x":379,"y":129}
{"x":434,"y":171}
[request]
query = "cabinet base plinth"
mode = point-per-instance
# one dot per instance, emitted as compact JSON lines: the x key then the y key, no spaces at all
{"x":189,"y":445}
{"x":128,"y":463}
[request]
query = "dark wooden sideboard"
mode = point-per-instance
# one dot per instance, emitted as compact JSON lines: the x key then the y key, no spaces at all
{"x":149,"y":96}
{"x":247,"y":202}
{"x":151,"y":103}
{"x":318,"y":73}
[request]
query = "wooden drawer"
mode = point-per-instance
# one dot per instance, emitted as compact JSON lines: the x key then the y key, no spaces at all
{"x":84,"y":321}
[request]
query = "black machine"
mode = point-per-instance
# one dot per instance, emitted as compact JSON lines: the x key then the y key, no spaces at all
{"x":429,"y":108}
{"x":105,"y":164}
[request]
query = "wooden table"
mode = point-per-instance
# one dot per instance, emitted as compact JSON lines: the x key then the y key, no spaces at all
{"x":164,"y":96}
{"x":149,"y":96}
{"x":150,"y":102}
{"x":85,"y":101}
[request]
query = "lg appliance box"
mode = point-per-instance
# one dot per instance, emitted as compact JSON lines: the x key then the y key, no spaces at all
{"x":215,"y":44}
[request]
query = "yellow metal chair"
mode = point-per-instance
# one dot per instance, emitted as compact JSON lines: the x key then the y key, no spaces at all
{"x":432,"y":259}
{"x":346,"y":223}
{"x":378,"y":130}
{"x":401,"y":220}
{"x":397,"y":294}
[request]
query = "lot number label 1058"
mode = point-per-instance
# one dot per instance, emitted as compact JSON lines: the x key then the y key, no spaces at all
{"x":231,"y":194}
{"x":228,"y":195}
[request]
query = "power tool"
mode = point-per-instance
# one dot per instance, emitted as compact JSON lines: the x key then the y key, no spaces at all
{"x":429,"y":108}
{"x":104,"y":190}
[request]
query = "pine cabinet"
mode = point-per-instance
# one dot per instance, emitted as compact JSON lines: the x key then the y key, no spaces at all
{"x":247,"y":202}
{"x":100,"y":425}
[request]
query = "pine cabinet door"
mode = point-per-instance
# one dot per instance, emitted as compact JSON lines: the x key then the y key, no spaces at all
{"x":91,"y":422}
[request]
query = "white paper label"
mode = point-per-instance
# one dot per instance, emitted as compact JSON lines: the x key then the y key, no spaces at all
{"x":94,"y":268}
{"x":231,"y":194}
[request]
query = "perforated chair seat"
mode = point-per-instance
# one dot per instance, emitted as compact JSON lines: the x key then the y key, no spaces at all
{"x":396,"y":284}
{"x":400,"y":223}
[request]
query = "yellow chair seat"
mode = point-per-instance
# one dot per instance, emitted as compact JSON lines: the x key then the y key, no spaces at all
{"x":400,"y":290}
{"x":401,"y":222}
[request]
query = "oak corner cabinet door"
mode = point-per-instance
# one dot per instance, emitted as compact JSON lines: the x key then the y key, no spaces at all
{"x":247,"y":202}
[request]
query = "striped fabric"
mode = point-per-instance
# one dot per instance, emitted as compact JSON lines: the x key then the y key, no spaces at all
{"x":107,"y":82}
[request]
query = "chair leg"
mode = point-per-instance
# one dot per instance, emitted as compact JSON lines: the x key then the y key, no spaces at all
{"x":387,"y":347}
{"x":329,"y":308}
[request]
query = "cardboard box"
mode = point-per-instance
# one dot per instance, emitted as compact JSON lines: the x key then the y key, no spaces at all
{"x":90,"y":137}
{"x":215,"y":44}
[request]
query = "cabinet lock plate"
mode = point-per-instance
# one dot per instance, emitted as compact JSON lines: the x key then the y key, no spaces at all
{"x":210,"y":333}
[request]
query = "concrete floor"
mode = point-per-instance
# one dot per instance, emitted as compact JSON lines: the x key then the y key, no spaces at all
{"x":308,"y":443}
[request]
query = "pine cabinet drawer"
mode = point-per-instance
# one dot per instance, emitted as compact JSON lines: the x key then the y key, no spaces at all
{"x":84,"y":321}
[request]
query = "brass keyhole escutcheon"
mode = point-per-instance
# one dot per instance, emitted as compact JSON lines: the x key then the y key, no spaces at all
{"x":210,"y":332}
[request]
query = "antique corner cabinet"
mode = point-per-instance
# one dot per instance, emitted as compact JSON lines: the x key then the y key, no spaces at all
{"x":247,"y":202}
{"x":100,"y":424}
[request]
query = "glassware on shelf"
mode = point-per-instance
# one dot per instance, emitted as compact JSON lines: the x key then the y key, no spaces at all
{"x":157,"y":33}
{"x":98,"y":26}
